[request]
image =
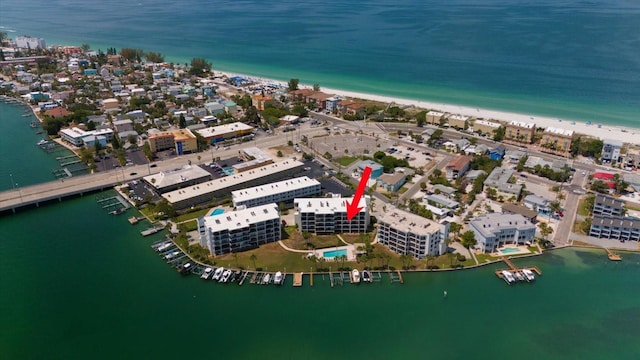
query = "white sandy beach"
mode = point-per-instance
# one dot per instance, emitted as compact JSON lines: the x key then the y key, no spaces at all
{"x":627,"y":135}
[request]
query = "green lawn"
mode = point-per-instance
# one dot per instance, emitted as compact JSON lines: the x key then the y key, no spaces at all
{"x":346,"y":160}
{"x":483,"y":258}
{"x":190,"y":216}
{"x":583,"y":209}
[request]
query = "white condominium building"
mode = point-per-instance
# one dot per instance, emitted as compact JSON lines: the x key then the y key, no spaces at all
{"x":240,"y":230}
{"x":495,"y":230}
{"x":329,"y":215}
{"x":281,"y":191}
{"x":406,"y":233}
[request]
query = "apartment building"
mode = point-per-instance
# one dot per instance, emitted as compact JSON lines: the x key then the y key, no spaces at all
{"x":277,"y":192}
{"x":557,"y":139}
{"x":329,"y":215}
{"x":520,"y":131}
{"x":409,"y":234}
{"x":617,"y":228}
{"x":240,"y":230}
{"x":607,"y":206}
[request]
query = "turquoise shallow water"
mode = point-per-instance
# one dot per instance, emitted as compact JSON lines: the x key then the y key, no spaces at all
{"x":566,"y":59}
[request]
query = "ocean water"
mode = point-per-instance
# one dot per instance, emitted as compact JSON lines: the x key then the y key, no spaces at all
{"x":567,"y":59}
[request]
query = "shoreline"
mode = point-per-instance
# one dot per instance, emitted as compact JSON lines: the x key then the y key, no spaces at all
{"x":600,"y":131}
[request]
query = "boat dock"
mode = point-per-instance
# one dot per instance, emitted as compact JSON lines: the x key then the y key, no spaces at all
{"x":613,"y":256}
{"x":151,"y":230}
{"x":310,"y":279}
{"x":396,"y":276}
{"x":297,"y":279}
{"x":515,"y":270}
{"x":134,"y":220}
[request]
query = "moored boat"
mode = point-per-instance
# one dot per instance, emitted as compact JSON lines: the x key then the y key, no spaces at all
{"x":278,"y":278}
{"x":185,"y":269}
{"x":217,"y":274}
{"x":355,"y":275}
{"x":207,"y":272}
{"x":266,"y":279}
{"x":528,"y":274}
{"x":508,"y":277}
{"x":366,"y":276}
{"x":519,"y":276}
{"x":225,"y":276}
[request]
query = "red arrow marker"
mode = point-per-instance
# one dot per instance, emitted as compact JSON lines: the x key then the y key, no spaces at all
{"x":352,"y":208}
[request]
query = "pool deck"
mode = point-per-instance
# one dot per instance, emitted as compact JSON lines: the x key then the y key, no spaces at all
{"x":521,"y":251}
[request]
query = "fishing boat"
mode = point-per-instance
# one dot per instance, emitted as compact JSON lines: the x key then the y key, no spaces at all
{"x":266,"y":279}
{"x":355,"y":274}
{"x":171,"y":255}
{"x":217,"y":274}
{"x":207,"y":272}
{"x":366,"y":276}
{"x":42,"y":142}
{"x":278,"y":278}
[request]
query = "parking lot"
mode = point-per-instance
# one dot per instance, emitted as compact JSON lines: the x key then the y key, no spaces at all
{"x":355,"y":144}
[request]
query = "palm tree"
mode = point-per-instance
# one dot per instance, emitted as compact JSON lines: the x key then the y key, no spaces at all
{"x":253,"y":258}
{"x":545,"y":229}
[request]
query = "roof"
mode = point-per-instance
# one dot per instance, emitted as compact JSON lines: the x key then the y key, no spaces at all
{"x":522,"y":124}
{"x":517,"y":209}
{"x":444,"y":189}
{"x":408,"y":222}
{"x":459,"y":162}
{"x":256,"y":192}
{"x":487,"y":123}
{"x":535,"y":199}
{"x":442,"y":200}
{"x":558,"y":131}
{"x":499,"y":175}
{"x":169,"y":178}
{"x":58,"y":112}
{"x":178,"y":134}
{"x":231,"y":180}
{"x":458,"y":117}
{"x":435,"y":113}
{"x":392,"y":179}
{"x":372,"y":164}
{"x":239,"y":219}
{"x":608,"y":200}
{"x":328,"y":205}
{"x":224,"y":129}
{"x":613,"y":142}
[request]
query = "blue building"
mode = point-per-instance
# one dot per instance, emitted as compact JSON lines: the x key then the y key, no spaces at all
{"x":497,"y":153}
{"x":90,"y":72}
{"x":376,"y":169}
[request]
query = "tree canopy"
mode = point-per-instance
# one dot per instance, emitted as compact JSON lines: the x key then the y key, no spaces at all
{"x":293,"y":84}
{"x":199,"y":66}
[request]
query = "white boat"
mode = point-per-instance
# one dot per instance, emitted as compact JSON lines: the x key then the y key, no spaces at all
{"x":207,"y":272}
{"x":355,"y":274}
{"x":278,"y":278}
{"x":519,"y":276}
{"x":507,"y":276}
{"x":528,"y":274}
{"x":170,"y":255}
{"x":225,"y":276}
{"x":42,"y":142}
{"x":164,"y":247}
{"x":366,"y":276}
{"x":266,"y":279}
{"x":185,"y":269}
{"x":217,"y":274}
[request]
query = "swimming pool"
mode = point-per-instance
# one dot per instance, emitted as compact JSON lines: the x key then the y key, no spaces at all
{"x":334,"y":253}
{"x":217,"y":212}
{"x":227,"y":171}
{"x":509,"y":250}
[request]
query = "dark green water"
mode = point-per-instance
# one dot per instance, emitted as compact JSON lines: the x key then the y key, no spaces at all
{"x":78,"y":283}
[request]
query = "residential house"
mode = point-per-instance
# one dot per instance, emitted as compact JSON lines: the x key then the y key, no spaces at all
{"x":392,"y":182}
{"x":611,"y":151}
{"x":458,"y":166}
{"x":376,"y":169}
{"x":527,"y":213}
{"x":537,"y":203}
{"x":497,"y":153}
{"x":499,"y":181}
{"x":331,"y":104}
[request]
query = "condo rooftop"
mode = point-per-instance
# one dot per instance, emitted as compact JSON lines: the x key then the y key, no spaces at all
{"x":272,"y":188}
{"x":242,"y":218}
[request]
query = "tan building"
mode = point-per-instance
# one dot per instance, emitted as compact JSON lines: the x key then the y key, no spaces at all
{"x":434,"y":117}
{"x":259,"y":101}
{"x":485,"y":127}
{"x":557,"y":139}
{"x":520,"y":132}
{"x":182,"y":140}
{"x":458,"y":121}
{"x":110,"y":104}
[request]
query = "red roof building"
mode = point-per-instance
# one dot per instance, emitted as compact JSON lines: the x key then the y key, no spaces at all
{"x":58,"y":112}
{"x":607,"y":178}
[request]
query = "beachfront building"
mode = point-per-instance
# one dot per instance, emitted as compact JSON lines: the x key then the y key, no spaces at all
{"x":458,"y":121}
{"x":494,"y":230}
{"x":499,"y":180}
{"x":170,"y":180}
{"x":617,"y":228}
{"x":406,"y":233}
{"x":607,"y":206}
{"x":28,"y":42}
{"x":235,"y":231}
{"x":611,"y":151}
{"x":331,"y":104}
{"x":227,"y":131}
{"x":329,"y":215}
{"x":458,"y":166}
{"x":76,"y":136}
{"x":220,"y":188}
{"x":182,"y":140}
{"x":277,"y":192}
{"x":434,"y":117}
{"x":520,"y":131}
{"x":557,"y":139}
{"x":485,"y":127}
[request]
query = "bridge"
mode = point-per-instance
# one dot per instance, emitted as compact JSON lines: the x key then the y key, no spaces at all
{"x":36,"y":195}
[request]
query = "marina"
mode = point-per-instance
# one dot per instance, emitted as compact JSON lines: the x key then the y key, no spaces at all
{"x":151,"y":230}
{"x":515,"y":274}
{"x":115,"y":205}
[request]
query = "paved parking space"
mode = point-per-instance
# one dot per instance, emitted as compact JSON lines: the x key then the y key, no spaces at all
{"x":355,"y":144}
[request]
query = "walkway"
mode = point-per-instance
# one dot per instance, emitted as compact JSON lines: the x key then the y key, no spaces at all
{"x":293,"y":250}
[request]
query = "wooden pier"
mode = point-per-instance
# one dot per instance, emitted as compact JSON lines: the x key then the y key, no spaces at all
{"x":243,"y":278}
{"x":310,"y":279}
{"x":400,"y":277}
{"x":613,"y":256}
{"x":297,"y":279}
{"x":514,"y":268}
